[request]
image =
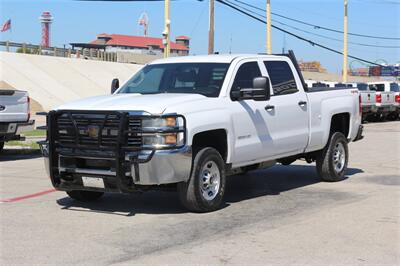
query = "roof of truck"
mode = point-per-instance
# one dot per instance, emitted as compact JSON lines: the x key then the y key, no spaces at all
{"x":217,"y":58}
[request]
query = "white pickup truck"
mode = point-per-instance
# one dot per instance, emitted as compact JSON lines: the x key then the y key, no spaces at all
{"x":368,"y":100}
{"x":14,"y":115}
{"x":386,"y":103}
{"x":189,"y":122}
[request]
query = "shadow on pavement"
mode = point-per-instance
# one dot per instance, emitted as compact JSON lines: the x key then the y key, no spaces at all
{"x":255,"y":184}
{"x":273,"y":181}
{"x":8,"y":154}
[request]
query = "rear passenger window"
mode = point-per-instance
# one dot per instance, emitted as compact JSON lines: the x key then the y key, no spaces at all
{"x":281,"y":77}
{"x":245,"y":75}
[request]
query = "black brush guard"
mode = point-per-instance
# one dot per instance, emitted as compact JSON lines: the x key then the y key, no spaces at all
{"x":121,"y":182}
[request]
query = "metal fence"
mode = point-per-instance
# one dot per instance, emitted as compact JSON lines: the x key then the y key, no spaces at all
{"x":26,"y":48}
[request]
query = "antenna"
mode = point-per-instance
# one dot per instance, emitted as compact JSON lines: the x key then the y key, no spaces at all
{"x":144,"y":21}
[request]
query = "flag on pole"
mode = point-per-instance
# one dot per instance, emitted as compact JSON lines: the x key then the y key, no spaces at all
{"x":6,"y":26}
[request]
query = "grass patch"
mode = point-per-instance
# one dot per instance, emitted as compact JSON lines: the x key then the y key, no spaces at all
{"x":31,"y":145}
{"x":35,"y":133}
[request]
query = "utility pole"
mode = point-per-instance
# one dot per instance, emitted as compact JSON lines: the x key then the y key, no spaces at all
{"x":269,"y":41}
{"x":211,"y":28}
{"x":166,"y":32}
{"x":345,"y":48}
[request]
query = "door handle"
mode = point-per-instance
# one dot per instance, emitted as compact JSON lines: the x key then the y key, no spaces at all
{"x":302,"y":103}
{"x":269,"y":107}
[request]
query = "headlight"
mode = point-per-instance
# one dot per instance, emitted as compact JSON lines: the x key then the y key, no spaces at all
{"x":163,"y":132}
{"x":163,"y":139}
{"x":171,"y":121}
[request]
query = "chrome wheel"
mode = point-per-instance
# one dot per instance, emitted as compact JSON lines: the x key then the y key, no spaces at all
{"x":339,"y":157}
{"x":210,"y":180}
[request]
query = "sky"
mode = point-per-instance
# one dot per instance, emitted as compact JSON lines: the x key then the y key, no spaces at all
{"x":77,"y":21}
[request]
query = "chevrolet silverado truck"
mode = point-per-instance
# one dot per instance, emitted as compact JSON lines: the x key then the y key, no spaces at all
{"x":14,"y":115}
{"x":385,"y":98}
{"x":368,"y":100}
{"x":186,"y":123}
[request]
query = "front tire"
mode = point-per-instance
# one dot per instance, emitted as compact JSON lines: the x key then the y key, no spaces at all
{"x":84,"y":196}
{"x":205,"y":189}
{"x":1,"y":146}
{"x":332,"y":160}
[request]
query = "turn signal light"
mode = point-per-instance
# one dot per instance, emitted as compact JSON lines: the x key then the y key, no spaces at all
{"x":170,"y":139}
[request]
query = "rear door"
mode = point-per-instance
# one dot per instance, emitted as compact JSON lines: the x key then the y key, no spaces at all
{"x":286,"y":113}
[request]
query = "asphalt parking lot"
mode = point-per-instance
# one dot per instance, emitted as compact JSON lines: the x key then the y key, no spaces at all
{"x":280,"y":215}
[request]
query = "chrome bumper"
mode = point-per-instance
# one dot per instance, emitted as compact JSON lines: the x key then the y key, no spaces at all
{"x":165,"y":167}
{"x":151,"y":168}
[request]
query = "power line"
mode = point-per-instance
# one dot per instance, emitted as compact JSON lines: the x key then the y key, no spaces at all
{"x":317,"y":26}
{"x":312,"y":33}
{"x":294,"y":35}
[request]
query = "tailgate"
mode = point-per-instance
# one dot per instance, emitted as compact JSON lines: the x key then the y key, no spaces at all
{"x":14,"y":106}
{"x":368,"y":97}
{"x":387,"y":98}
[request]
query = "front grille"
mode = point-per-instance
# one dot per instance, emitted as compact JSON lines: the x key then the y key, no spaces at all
{"x":133,"y":138}
{"x":95,"y":130}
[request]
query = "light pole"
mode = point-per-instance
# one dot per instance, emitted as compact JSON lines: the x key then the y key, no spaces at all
{"x":345,"y":47}
{"x":211,"y":28}
{"x":167,"y":28}
{"x":269,"y":41}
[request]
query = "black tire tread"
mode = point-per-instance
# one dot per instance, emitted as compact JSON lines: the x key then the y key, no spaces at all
{"x":189,"y":194}
{"x":323,"y":162}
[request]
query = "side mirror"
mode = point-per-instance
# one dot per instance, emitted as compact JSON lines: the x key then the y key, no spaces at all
{"x":261,"y":89}
{"x":114,"y":85}
{"x":259,"y":92}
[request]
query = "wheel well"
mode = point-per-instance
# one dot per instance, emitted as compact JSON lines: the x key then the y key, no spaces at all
{"x":216,"y":139}
{"x":340,"y":123}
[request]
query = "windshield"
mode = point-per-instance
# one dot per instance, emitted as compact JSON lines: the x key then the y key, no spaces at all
{"x":199,"y":78}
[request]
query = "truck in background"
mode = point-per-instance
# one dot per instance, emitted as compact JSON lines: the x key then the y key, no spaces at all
{"x":385,"y":99}
{"x":15,"y":116}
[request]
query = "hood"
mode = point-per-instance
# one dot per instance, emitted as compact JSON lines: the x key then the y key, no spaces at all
{"x":151,"y":103}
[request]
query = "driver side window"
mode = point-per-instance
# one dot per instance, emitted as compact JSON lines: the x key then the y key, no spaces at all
{"x":245,"y":75}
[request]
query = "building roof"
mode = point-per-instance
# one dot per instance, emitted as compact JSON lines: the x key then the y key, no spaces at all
{"x":136,"y":41}
{"x":182,"y":37}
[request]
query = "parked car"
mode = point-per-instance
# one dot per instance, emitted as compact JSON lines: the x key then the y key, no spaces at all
{"x":14,"y":115}
{"x":189,"y":122}
{"x":385,"y":98}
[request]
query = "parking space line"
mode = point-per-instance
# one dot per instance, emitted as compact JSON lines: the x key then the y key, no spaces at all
{"x":38,"y":194}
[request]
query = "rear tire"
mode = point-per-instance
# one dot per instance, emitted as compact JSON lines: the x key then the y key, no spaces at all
{"x":84,"y":196}
{"x":1,"y":146}
{"x":205,"y":189}
{"x":332,"y":160}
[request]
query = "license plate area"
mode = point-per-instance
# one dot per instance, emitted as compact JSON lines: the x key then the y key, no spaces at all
{"x":93,"y":182}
